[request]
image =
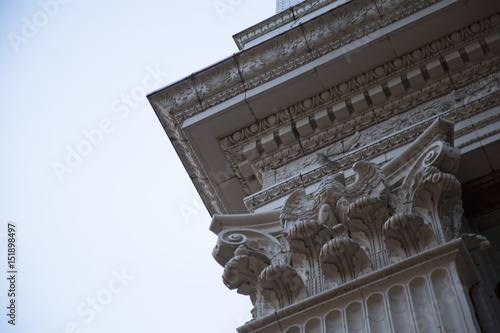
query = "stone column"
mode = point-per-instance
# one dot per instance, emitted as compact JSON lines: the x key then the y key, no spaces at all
{"x":383,"y":252}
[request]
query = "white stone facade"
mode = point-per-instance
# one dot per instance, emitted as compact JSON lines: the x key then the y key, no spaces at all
{"x":350,"y":156}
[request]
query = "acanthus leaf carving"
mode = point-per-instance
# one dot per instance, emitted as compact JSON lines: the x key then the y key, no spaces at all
{"x":438,"y":200}
{"x":406,"y":235}
{"x":366,"y":219}
{"x":342,"y":260}
{"x":306,"y":240}
{"x":282,"y":286}
{"x":242,"y":272}
{"x":339,"y":233}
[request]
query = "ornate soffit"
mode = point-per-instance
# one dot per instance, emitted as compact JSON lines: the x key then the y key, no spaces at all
{"x":235,"y":144}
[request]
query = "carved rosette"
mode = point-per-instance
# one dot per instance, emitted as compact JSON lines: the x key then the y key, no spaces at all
{"x":339,"y":232}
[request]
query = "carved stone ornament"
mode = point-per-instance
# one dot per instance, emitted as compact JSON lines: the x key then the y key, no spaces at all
{"x":272,"y":149}
{"x":339,"y":233}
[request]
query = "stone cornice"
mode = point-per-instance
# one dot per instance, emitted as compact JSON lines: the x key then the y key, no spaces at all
{"x":371,"y":151}
{"x":456,"y":42}
{"x":234,"y":78}
{"x":360,"y":84}
{"x":363,"y":83}
{"x":288,"y":16}
{"x":396,"y":107}
{"x":281,"y":54}
{"x":264,"y":27}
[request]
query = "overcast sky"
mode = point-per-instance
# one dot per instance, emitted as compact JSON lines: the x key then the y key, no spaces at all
{"x":111,"y":235}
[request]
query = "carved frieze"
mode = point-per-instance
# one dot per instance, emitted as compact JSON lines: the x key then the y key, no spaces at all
{"x":297,"y":48}
{"x":343,"y":25}
{"x":218,"y":79}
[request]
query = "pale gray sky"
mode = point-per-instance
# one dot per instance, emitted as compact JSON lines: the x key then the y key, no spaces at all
{"x":111,"y":235}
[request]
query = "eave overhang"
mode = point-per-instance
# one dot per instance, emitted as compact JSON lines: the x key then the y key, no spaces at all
{"x":320,"y":52}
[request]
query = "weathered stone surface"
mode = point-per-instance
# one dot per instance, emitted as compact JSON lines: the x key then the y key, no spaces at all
{"x":341,"y":232}
{"x":336,"y":124}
